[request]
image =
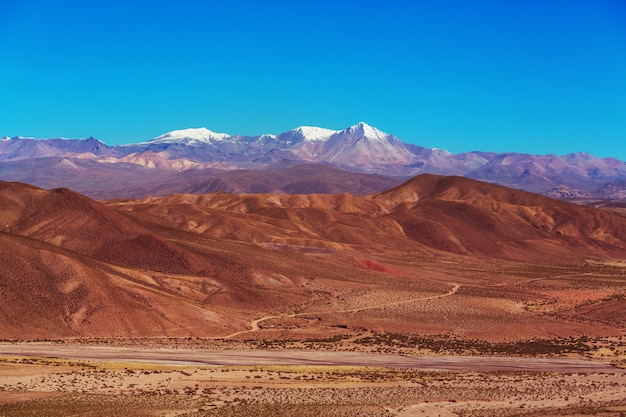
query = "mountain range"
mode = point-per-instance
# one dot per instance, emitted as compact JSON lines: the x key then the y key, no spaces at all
{"x":213,"y":160}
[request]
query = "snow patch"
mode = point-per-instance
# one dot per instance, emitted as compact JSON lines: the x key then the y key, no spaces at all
{"x":267,"y":135}
{"x":440,"y":151}
{"x":368,"y":131}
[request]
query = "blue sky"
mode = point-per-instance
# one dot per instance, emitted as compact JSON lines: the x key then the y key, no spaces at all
{"x":524,"y":76}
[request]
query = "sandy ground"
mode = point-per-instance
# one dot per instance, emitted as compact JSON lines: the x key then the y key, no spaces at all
{"x":285,"y":357}
{"x":112,"y":382}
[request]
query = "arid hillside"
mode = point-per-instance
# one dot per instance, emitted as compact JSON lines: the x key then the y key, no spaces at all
{"x":466,"y":216}
{"x":428,"y":213}
{"x":435,"y":255}
{"x":70,"y":266}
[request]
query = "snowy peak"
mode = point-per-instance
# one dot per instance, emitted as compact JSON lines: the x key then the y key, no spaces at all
{"x":320,"y":134}
{"x":313,"y":134}
{"x":365,"y":130}
{"x":190,"y":136}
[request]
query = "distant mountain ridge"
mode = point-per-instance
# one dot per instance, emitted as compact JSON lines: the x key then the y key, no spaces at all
{"x":358,"y":148}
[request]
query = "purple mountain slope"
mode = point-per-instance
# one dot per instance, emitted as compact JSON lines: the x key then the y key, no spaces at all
{"x":30,"y":148}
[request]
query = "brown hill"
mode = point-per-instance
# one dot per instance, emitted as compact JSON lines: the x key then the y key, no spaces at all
{"x":47,"y":292}
{"x":74,"y":222}
{"x":61,"y":217}
{"x":429,"y":212}
{"x":306,"y":222}
{"x":71,"y":266}
{"x":465,"y":216}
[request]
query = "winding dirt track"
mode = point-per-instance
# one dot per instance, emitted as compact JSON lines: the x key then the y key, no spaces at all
{"x":255,"y":324}
{"x":259,"y":357}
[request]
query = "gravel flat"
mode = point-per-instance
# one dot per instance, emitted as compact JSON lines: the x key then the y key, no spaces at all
{"x":290,"y":357}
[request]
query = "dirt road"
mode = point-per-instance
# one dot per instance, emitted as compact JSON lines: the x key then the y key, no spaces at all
{"x":255,"y":325}
{"x":259,"y":357}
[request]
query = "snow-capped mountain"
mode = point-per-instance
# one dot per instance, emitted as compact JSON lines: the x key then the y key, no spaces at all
{"x":190,"y":136}
{"x":359,"y":148}
{"x":364,"y":147}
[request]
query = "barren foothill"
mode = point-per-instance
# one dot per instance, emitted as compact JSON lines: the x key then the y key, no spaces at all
{"x":279,"y":266}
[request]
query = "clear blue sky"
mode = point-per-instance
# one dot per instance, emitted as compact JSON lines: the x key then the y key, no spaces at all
{"x":516,"y":75}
